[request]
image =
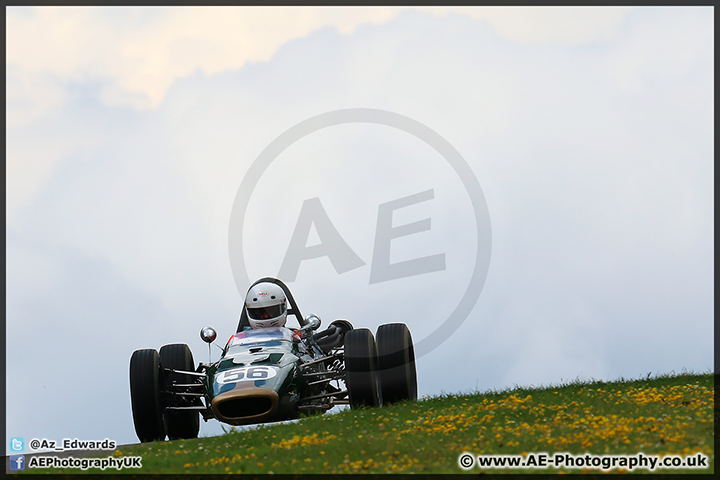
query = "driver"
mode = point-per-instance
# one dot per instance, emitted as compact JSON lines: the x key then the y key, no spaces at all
{"x":266,"y":306}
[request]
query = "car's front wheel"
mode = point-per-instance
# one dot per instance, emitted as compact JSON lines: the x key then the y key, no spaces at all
{"x":179,"y":423}
{"x":361,"y":368}
{"x":146,"y":373}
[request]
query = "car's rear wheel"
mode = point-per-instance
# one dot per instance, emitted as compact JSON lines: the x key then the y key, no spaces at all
{"x":396,"y":363}
{"x":179,"y":424}
{"x":145,"y":384}
{"x":361,"y":368}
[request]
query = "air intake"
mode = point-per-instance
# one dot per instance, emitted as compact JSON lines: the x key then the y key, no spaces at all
{"x":245,"y":406}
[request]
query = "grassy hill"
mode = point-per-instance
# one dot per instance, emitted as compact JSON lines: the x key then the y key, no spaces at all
{"x":665,"y":416}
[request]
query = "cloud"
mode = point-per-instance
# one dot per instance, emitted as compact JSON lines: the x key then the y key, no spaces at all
{"x":144,"y":49}
{"x":567,"y":25}
{"x":135,"y":54}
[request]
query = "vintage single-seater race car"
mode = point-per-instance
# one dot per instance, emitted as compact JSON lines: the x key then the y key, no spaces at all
{"x":271,"y":373}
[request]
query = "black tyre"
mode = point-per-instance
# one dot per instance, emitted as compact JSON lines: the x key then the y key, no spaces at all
{"x":145,"y":385}
{"x":396,"y":363}
{"x":179,"y":424}
{"x":361,"y":368}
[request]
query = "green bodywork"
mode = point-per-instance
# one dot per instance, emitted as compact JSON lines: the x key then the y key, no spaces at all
{"x":268,"y":359}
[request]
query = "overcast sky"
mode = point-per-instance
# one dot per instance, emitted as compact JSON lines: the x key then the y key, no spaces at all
{"x":130,"y":130}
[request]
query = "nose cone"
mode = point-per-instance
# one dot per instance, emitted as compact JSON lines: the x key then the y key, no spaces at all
{"x":245,"y":406}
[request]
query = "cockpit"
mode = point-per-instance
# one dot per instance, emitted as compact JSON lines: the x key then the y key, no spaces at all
{"x":262,"y":337}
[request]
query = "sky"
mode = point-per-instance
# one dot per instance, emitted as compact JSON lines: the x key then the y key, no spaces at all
{"x":584,"y":134}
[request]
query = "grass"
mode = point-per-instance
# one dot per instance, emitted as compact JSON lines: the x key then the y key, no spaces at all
{"x":668,"y":415}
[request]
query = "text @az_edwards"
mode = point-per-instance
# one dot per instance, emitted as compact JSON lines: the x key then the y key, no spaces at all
{"x":72,"y":444}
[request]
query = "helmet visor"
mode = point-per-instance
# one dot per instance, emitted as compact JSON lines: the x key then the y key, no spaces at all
{"x":265,"y":313}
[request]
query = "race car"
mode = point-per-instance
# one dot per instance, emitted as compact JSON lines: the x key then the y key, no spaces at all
{"x":270,"y":374}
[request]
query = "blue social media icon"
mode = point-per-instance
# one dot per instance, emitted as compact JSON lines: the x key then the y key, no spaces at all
{"x":17,"y":462}
{"x":17,"y":444}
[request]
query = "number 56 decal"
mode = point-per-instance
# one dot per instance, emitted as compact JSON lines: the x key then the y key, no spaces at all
{"x":245,"y":374}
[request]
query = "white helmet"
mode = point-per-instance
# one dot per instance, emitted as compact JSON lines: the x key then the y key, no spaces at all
{"x":266,"y":306}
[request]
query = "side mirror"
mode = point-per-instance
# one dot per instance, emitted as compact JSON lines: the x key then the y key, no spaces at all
{"x":312,"y":323}
{"x":208,"y":334}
